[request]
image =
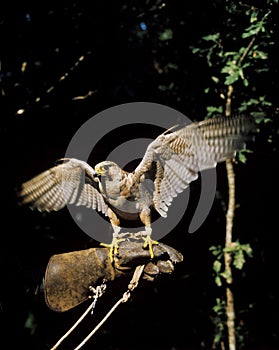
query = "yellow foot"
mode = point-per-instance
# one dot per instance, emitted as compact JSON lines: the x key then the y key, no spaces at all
{"x":113,"y":247}
{"x":148,"y":242}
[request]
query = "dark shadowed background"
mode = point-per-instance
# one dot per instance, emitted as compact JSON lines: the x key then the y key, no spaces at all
{"x":61,"y":63}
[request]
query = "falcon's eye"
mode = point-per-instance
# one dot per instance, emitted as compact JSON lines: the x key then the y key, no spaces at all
{"x":105,"y":167}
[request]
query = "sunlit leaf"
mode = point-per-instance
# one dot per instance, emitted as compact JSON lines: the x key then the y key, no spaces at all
{"x":242,"y":158}
{"x":211,"y":37}
{"x":215,"y":79}
{"x":217,"y":266}
{"x":232,"y":78}
{"x":225,"y":274}
{"x":166,"y":35}
{"x":211,"y":110}
{"x":218,"y":281}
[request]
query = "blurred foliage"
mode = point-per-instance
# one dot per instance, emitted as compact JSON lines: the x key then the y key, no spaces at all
{"x":239,"y":54}
{"x":219,"y":322}
{"x":61,"y":63}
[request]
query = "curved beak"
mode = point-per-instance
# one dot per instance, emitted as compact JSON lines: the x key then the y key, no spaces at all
{"x":95,"y":174}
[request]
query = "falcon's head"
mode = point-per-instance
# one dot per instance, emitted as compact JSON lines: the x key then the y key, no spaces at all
{"x":109,"y":170}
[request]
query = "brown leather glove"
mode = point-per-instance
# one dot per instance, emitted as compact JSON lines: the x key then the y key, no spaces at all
{"x":68,"y":276}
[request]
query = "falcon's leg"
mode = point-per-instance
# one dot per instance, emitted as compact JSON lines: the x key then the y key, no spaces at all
{"x":113,"y":246}
{"x":148,"y":241}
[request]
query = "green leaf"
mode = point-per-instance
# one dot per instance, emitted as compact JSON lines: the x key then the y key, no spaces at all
{"x":225,"y":275}
{"x":215,"y":79}
{"x":252,"y":30}
{"x":232,"y":53}
{"x":172,"y":66}
{"x":31,"y":323}
{"x":247,"y":249}
{"x":253,"y":18}
{"x":218,"y":308}
{"x":239,"y":260}
{"x":162,"y":87}
{"x":208,"y":56}
{"x":232,"y":78}
{"x":214,"y":110}
{"x":217,"y":338}
{"x":211,"y":37}
{"x":238,"y":250}
{"x":218,"y":281}
{"x":230,"y":67}
{"x":195,"y":49}
{"x":242,"y":158}
{"x":166,"y":35}
{"x":259,"y":55}
{"x":259,"y":117}
{"x":217,"y":266}
{"x":245,"y":82}
{"x":233,"y":72}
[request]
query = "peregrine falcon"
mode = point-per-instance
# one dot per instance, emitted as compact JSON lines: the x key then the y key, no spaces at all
{"x":171,"y":162}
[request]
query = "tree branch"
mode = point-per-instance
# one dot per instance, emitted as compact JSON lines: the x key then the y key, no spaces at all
{"x":230,"y":312}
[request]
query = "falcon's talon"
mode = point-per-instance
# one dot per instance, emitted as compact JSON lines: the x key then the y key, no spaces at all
{"x":149,"y":242}
{"x":113,"y":247}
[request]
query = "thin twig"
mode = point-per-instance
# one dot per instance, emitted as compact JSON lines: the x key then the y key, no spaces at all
{"x":248,"y":48}
{"x":230,"y":312}
{"x":61,"y":79}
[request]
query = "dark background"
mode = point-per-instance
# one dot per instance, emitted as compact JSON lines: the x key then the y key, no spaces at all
{"x":122,"y":63}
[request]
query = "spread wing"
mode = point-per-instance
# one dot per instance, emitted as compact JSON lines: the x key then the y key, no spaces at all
{"x":180,"y":155}
{"x":71,"y":182}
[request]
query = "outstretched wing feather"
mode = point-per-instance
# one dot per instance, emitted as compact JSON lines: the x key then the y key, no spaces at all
{"x":181,"y":154}
{"x":61,"y":185}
